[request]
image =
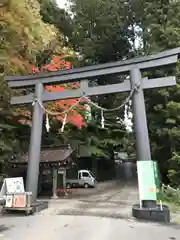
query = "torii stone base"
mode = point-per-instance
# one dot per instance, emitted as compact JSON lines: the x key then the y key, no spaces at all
{"x":157,"y":214}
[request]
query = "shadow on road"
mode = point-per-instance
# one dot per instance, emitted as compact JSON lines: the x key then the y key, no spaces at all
{"x":4,"y":228}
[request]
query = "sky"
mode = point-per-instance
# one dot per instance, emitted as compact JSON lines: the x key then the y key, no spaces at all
{"x":61,"y":3}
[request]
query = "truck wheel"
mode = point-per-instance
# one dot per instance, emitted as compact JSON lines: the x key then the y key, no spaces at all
{"x":86,"y":185}
{"x":68,"y":185}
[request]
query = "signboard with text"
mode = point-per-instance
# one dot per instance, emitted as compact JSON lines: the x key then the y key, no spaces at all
{"x":15,"y":185}
{"x":19,"y":201}
{"x":12,"y":185}
{"x":148,"y":180}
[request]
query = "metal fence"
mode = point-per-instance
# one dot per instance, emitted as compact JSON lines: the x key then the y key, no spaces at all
{"x":170,"y":194}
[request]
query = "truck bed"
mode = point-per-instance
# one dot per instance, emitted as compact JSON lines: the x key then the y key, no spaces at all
{"x":72,"y":181}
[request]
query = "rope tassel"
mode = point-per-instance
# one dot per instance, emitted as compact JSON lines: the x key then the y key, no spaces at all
{"x":127,"y":101}
{"x":47,"y":123}
{"x":102,"y":119}
{"x":64,"y":123}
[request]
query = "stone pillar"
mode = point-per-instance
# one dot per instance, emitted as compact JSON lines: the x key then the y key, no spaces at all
{"x":35,"y":144}
{"x":55,"y":179}
{"x":140,"y":126}
{"x":64,"y":183}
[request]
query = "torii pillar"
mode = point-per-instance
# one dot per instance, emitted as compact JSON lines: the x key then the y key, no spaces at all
{"x":35,"y":143}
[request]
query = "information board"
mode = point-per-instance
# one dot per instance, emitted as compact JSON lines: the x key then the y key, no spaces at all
{"x":9,"y":201}
{"x":15,"y":185}
{"x":19,"y":201}
{"x":148,"y":180}
{"x":12,"y":185}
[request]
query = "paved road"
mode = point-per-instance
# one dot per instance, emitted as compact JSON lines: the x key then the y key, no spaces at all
{"x":102,"y":215}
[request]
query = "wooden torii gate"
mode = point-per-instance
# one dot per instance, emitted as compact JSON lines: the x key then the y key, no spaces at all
{"x":133,"y":67}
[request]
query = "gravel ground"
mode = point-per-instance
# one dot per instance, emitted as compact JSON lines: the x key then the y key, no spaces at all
{"x":103,"y":213}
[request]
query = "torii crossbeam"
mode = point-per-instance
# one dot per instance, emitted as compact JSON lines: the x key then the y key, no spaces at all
{"x":133,"y":67}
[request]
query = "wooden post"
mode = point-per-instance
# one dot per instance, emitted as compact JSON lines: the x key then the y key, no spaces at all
{"x":55,"y":178}
{"x":64,"y":182}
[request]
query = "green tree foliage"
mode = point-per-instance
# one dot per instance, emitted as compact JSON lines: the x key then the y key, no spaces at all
{"x":97,"y":29}
{"x":103,"y":31}
{"x":58,"y":17}
{"x":23,"y":35}
{"x":159,"y":30}
{"x":99,"y":33}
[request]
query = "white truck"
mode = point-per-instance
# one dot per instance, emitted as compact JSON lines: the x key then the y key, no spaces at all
{"x":85,"y":178}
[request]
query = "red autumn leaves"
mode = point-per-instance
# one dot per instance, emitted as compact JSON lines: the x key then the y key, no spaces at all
{"x":57,"y":63}
{"x":74,"y":115}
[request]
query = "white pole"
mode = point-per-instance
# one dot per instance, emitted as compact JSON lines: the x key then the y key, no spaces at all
{"x":161,"y":206}
{"x":140,"y":204}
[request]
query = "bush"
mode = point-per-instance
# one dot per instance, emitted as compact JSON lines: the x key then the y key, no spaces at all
{"x":174,"y":170}
{"x":170,"y":194}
